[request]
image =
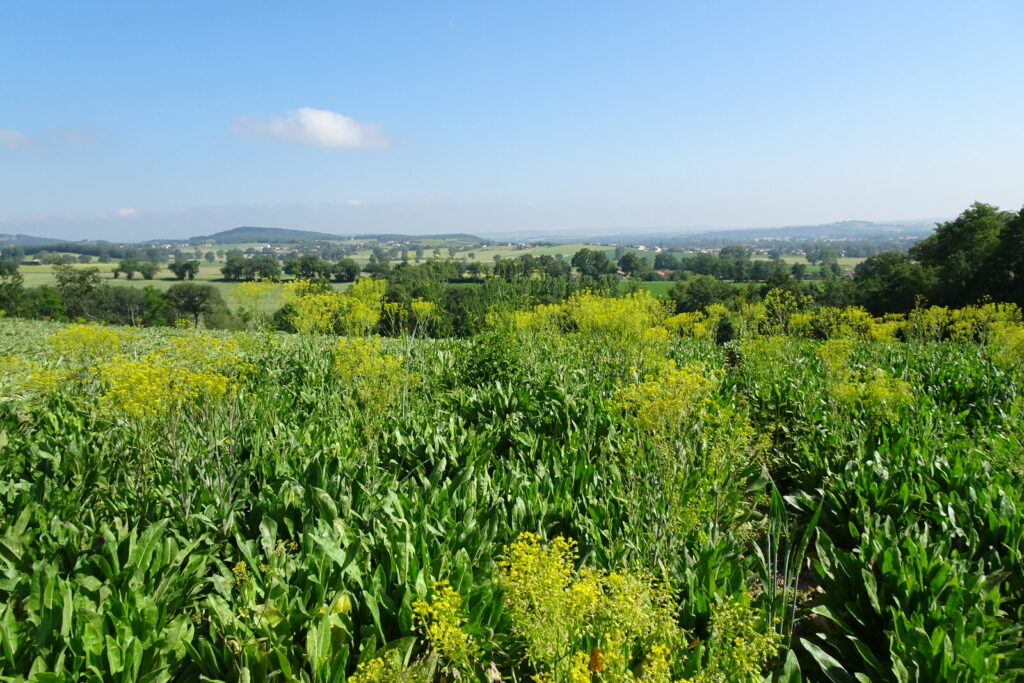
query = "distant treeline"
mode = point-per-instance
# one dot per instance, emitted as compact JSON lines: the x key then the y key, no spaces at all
{"x":81,"y":294}
{"x":979,"y":256}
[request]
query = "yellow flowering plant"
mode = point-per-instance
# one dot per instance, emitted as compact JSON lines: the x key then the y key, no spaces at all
{"x":576,"y":622}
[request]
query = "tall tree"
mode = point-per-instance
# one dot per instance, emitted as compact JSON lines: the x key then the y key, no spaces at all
{"x":963,"y":252}
{"x":1008,"y":262}
{"x":592,"y":262}
{"x":195,"y":300}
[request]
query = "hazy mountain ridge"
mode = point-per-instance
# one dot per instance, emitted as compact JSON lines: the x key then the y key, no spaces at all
{"x":20,"y":240}
{"x":841,"y":230}
{"x":270,"y":235}
{"x":852,"y":229}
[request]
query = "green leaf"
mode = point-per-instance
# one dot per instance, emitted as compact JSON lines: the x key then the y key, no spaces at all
{"x":828,"y":664}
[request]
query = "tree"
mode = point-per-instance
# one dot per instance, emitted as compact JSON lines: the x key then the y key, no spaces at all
{"x":377,"y":269}
{"x":699,"y":292}
{"x":1008,"y":262}
{"x":345,"y":270}
{"x":666,"y":261}
{"x":633,"y":264}
{"x":964,"y":253}
{"x":210,"y":257}
{"x":379,"y":255}
{"x":734,"y":251}
{"x":128,"y":266}
{"x":195,"y":300}
{"x":262,"y":268}
{"x":148,"y":270}
{"x":11,"y":287}
{"x":592,"y":263}
{"x":891,"y":282}
{"x":234,"y":267}
{"x":185,"y":269}
{"x":77,"y":287}
{"x":308,"y":267}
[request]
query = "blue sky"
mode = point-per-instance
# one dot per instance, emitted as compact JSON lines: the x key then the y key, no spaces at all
{"x":144,"y":119}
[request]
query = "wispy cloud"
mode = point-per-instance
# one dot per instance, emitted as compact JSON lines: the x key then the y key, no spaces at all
{"x":75,"y":136}
{"x":61,"y":137}
{"x":126,"y":213}
{"x":13,"y":139}
{"x":308,"y":126}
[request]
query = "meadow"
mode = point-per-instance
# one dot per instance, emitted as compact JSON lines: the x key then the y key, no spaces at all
{"x":595,"y":490}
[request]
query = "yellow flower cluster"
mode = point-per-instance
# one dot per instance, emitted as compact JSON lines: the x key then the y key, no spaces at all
{"x":151,"y":386}
{"x":782,"y":314}
{"x":928,"y":324}
{"x":834,"y":356}
{"x":739,"y":646}
{"x":380,"y":670}
{"x":85,"y":343}
{"x":316,"y":313}
{"x":30,"y":377}
{"x":627,"y":316}
{"x":194,"y":369}
{"x":875,"y":393}
{"x":255,"y":299}
{"x":1007,"y":347}
{"x":441,"y":621}
{"x":664,"y":404}
{"x":577,"y":622}
{"x":240,"y":573}
{"x":376,"y":377}
{"x":699,"y":324}
{"x":423,"y":310}
{"x":361,"y":306}
{"x":320,"y":310}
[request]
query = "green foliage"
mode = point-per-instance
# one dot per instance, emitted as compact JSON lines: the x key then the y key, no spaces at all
{"x":835,"y":504}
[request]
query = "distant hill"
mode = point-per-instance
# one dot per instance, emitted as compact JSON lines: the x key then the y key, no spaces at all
{"x":842,"y":230}
{"x":839,"y":230}
{"x":268,"y":235}
{"x":394,"y":237}
{"x":20,"y":240}
{"x":285,"y":235}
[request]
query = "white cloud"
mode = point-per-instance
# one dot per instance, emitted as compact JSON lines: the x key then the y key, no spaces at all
{"x":126,"y":213}
{"x":13,"y":139}
{"x":354,"y":202}
{"x":308,"y":126}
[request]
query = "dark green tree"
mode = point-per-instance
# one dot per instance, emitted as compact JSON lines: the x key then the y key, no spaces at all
{"x":195,"y":301}
{"x":184,"y":269}
{"x":128,"y":266}
{"x":592,"y":263}
{"x":963,"y":253}
{"x":634,"y":264}
{"x":892,"y":282}
{"x":699,"y":292}
{"x":148,"y":270}
{"x":1008,"y":261}
{"x":78,"y":288}
{"x":345,"y":270}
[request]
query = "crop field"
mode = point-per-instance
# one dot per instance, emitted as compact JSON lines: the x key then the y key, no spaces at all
{"x":588,"y":491}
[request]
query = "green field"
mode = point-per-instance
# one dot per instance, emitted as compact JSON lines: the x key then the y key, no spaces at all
{"x":36,"y":276}
{"x":614,"y":489}
{"x":658,"y":288}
